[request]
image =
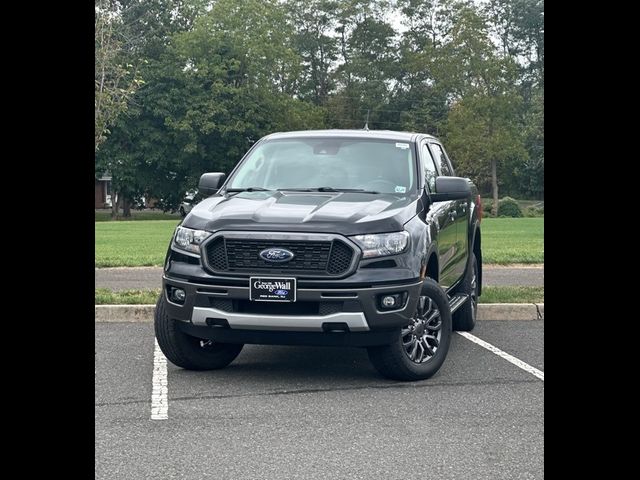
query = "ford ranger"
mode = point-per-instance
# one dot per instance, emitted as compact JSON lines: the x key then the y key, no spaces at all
{"x":328,"y":237}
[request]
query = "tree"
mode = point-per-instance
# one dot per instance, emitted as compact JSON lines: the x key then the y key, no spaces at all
{"x":313,"y":39}
{"x":519,"y":26}
{"x":213,"y":90}
{"x":115,"y":79}
{"x":419,"y":98}
{"x":484,"y":125}
{"x":481,"y":135}
{"x":531,"y":173}
{"x":219,"y":75}
{"x":368,"y":59}
{"x":146,"y":28}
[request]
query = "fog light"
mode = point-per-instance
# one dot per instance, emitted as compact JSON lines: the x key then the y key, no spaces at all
{"x":392,"y":301}
{"x":389,"y":301}
{"x":178,"y":295}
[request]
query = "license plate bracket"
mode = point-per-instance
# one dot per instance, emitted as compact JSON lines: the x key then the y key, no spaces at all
{"x":272,"y":289}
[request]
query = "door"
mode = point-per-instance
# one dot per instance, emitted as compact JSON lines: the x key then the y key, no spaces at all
{"x":444,"y":213}
{"x":460,"y":214}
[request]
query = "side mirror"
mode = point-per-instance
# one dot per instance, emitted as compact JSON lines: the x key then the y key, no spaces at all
{"x":451,"y":188}
{"x":210,"y":183}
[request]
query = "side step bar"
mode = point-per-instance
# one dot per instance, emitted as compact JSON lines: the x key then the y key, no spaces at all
{"x":457,"y":301}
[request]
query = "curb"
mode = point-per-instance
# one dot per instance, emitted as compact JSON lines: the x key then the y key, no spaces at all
{"x":486,"y":311}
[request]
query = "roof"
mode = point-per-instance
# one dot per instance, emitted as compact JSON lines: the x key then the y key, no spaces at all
{"x":379,"y":134}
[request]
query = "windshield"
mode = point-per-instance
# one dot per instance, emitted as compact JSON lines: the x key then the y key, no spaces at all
{"x":381,"y":166}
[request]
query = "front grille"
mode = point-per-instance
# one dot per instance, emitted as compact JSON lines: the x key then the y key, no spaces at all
{"x":309,"y":256}
{"x":322,"y":258}
{"x":341,"y":256}
{"x":221,"y":304}
{"x":217,"y":255}
{"x":328,"y":308}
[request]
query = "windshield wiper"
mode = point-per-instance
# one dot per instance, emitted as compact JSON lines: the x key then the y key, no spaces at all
{"x":326,"y":189}
{"x":331,"y":189}
{"x":250,"y":189}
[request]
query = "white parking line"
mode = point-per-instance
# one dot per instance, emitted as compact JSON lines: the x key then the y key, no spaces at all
{"x":159,"y":397}
{"x":509,"y":358}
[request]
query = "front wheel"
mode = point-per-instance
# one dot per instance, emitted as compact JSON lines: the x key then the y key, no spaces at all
{"x":422,"y":345}
{"x":189,"y":352}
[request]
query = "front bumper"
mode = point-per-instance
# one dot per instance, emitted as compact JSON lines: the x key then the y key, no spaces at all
{"x":358,"y":321}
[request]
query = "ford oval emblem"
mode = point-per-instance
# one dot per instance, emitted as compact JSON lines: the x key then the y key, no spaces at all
{"x":278,"y":255}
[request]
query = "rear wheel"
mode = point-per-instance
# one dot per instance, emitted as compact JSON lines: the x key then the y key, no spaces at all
{"x":422,"y":345}
{"x":464,"y":319}
{"x":189,"y":352}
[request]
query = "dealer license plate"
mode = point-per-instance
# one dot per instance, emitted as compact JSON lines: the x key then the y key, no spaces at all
{"x":272,"y":289}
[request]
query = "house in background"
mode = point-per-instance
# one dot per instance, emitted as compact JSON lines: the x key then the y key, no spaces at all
{"x":103,"y":194}
{"x":103,"y":191}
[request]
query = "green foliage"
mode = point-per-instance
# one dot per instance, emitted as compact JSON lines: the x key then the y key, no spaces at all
{"x":479,"y":130}
{"x":214,"y":90}
{"x":219,"y":75}
{"x":532,"y":212}
{"x":529,"y":208}
{"x":115,"y":79}
{"x":508,"y":207}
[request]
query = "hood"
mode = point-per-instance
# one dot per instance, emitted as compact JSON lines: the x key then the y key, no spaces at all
{"x":345,"y":213}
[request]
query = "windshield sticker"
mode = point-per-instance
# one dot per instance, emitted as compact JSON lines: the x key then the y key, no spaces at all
{"x":400,"y":189}
{"x":402,"y":145}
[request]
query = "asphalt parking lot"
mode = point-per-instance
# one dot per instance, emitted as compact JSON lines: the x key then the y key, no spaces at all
{"x":306,"y":412}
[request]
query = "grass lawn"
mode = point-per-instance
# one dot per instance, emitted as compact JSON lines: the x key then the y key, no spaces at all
{"x":144,"y":243}
{"x":512,"y":240}
{"x":132,"y":244}
{"x":489,"y":295}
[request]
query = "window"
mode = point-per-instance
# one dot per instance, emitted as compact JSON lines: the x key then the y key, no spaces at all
{"x":441,"y":159}
{"x":430,"y":172}
{"x":385,"y":166}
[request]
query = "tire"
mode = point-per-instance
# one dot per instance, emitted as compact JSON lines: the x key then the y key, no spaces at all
{"x":464,"y":319}
{"x":393,"y":360}
{"x":190,"y":352}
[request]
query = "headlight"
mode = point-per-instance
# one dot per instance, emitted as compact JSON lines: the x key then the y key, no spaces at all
{"x":381,"y":244}
{"x":189,"y":240}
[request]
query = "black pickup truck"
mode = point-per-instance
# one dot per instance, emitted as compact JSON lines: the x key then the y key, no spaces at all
{"x":329,"y":237}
